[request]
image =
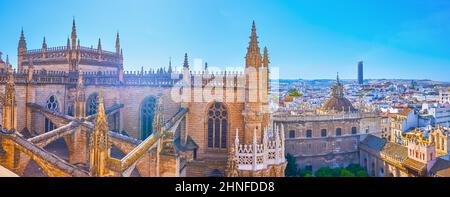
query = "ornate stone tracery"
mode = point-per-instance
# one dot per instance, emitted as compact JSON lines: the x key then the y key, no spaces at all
{"x":83,"y":123}
{"x":217,"y":126}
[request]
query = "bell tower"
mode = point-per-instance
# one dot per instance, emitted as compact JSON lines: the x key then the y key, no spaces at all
{"x":255,"y":113}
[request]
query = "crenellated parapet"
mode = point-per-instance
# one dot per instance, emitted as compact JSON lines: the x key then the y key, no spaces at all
{"x":225,"y":79}
{"x":60,"y":55}
{"x":130,"y":78}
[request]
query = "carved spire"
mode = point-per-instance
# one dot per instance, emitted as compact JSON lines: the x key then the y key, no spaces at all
{"x":232,"y":169}
{"x":21,"y":50}
{"x":266,"y":60}
{"x":121,"y":69}
{"x":170,"y":65}
{"x":80,"y":86}
{"x":338,"y":82}
{"x":206,"y":66}
{"x":101,"y":125}
{"x":253,"y":57}
{"x":44,"y":44}
{"x":74,"y":56}
{"x":99,"y":145}
{"x":1,"y":60}
{"x":99,"y":48}
{"x":9,"y":103}
{"x":10,"y":76}
{"x":74,"y":33}
{"x":338,"y":89}
{"x":118,"y":44}
{"x":22,"y":41}
{"x":68,"y":43}
{"x":80,"y":97}
{"x":186,"y":61}
{"x":99,"y":45}
{"x":159,"y":121}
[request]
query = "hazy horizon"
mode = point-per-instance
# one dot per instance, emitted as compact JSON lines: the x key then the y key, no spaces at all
{"x":344,"y":79}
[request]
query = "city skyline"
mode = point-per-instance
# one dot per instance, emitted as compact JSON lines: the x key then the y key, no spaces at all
{"x":307,"y":41}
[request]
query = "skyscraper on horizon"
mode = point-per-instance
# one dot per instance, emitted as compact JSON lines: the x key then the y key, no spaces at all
{"x":360,"y":72}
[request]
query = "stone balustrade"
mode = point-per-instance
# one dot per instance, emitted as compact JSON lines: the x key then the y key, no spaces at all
{"x":258,"y":156}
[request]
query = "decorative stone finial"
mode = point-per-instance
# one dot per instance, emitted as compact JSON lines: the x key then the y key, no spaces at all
{"x":253,"y":57}
{"x":186,"y":61}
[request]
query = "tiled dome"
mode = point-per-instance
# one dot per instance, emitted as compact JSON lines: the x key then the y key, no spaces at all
{"x":338,"y":104}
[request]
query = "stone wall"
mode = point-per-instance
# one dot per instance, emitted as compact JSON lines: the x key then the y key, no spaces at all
{"x":131,"y":96}
{"x":318,"y":151}
{"x":372,"y":163}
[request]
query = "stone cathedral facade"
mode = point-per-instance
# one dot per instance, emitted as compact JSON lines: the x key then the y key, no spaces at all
{"x":163,"y":122}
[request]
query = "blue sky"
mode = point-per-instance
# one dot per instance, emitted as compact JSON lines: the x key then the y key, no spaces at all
{"x":306,"y":39}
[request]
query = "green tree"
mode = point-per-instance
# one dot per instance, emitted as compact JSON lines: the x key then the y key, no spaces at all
{"x":346,"y":173}
{"x":291,"y":167}
{"x":294,"y":93}
{"x":362,"y":173}
{"x":324,"y":172}
{"x":354,"y":168}
{"x":337,"y":172}
{"x":357,"y":170}
{"x":308,"y":174}
{"x":305,"y":173}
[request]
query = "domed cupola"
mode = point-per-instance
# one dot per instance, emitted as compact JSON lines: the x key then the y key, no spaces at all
{"x":337,"y":102}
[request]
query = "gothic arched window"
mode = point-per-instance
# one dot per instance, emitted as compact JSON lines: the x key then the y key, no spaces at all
{"x":217,"y":126}
{"x":92,"y":104}
{"x":51,"y":104}
{"x":147,"y":116}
